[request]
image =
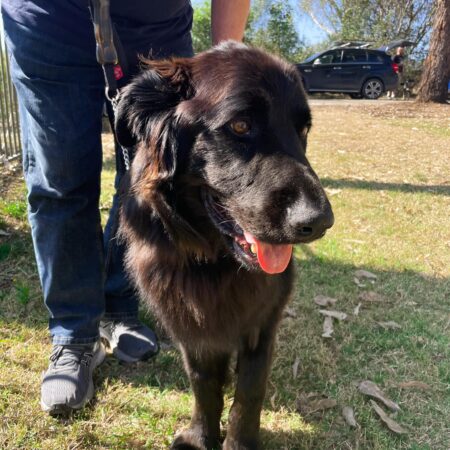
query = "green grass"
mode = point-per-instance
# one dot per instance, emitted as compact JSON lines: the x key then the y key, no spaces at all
{"x":391,"y":200}
{"x":14,"y":209}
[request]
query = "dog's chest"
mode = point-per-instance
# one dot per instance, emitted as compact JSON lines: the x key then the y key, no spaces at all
{"x":215,"y":306}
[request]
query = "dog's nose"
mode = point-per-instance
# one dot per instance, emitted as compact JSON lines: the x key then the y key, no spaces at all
{"x":312,"y":223}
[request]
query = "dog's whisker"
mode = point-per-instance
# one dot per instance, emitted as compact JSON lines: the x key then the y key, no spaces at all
{"x":223,"y":222}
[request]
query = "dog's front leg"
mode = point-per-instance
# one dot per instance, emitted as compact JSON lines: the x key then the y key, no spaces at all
{"x":253,"y":371}
{"x":207,"y":374}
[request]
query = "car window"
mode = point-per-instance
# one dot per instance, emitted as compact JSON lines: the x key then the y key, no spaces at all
{"x":354,"y":56}
{"x":375,"y":57}
{"x":311,"y":58}
{"x":329,"y":58}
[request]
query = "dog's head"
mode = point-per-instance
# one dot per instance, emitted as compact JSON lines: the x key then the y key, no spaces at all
{"x":221,"y":155}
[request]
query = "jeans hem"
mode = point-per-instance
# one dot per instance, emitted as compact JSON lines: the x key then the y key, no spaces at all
{"x":62,"y":340}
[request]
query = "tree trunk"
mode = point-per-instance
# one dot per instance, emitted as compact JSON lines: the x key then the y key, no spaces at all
{"x":436,"y":70}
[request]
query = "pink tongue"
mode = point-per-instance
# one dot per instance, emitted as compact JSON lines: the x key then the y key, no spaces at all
{"x":271,"y":258}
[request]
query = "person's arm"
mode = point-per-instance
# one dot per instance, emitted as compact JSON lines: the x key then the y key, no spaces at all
{"x":228,"y":19}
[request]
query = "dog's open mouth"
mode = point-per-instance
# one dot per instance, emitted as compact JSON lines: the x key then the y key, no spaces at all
{"x":271,"y":258}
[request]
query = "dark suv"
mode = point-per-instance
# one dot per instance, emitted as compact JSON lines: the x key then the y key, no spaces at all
{"x":360,"y":72}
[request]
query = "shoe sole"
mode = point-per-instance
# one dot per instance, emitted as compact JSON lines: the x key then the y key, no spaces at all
{"x":64,"y":409}
{"x":120,"y":355}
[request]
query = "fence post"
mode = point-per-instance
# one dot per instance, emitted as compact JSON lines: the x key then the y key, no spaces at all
{"x":10,"y":147}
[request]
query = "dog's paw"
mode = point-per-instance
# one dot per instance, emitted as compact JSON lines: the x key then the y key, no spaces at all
{"x":188,"y":440}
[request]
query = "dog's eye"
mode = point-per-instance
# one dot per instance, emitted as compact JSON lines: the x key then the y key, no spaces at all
{"x":240,"y":127}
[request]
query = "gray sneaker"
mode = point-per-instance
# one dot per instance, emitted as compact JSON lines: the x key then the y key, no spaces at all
{"x":130,"y":340}
{"x":67,"y":385}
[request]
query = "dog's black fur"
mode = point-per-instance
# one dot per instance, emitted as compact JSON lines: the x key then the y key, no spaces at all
{"x":197,"y":181}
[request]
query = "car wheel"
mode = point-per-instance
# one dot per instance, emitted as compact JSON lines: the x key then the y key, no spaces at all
{"x":372,"y":89}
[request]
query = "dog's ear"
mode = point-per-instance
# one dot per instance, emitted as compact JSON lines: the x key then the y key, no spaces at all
{"x":157,"y":90}
{"x":147,"y":117}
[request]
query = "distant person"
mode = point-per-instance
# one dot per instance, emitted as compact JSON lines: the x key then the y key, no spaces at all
{"x":398,"y":59}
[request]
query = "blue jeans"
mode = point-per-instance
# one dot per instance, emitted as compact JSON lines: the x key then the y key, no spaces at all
{"x":60,"y":91}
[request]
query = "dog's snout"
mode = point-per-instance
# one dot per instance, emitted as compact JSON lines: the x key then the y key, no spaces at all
{"x":311,"y":223}
{"x":327,"y":218}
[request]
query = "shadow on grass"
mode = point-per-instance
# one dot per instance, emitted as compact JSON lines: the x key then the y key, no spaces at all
{"x":378,"y":185}
{"x":165,"y":372}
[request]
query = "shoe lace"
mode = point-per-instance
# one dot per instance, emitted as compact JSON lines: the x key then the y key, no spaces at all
{"x":67,"y":356}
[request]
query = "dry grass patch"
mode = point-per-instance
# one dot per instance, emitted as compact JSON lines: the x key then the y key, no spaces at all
{"x":386,"y":169}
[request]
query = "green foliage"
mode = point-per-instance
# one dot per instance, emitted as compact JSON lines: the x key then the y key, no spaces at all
{"x":5,"y":250}
{"x":354,"y":18}
{"x":201,"y":28}
{"x":22,"y":292}
{"x":278,"y":35}
{"x":270,"y":26}
{"x":377,"y":21}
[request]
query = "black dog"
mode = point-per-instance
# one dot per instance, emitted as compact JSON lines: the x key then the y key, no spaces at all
{"x":219,"y":190}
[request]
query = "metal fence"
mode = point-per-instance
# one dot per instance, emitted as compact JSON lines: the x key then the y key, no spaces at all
{"x":9,"y":116}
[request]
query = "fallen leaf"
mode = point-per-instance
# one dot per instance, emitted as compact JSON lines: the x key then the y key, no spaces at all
{"x":370,"y":296}
{"x":309,"y":403}
{"x":336,"y":314}
{"x":331,"y":191}
{"x":327,"y":327}
{"x":391,"y":424}
{"x":322,"y":300}
{"x":272,"y":400}
{"x":356,"y":310}
{"x":289,"y":312}
{"x":320,"y":405}
{"x":313,"y":394}
{"x":390,"y":325}
{"x":365,"y":274}
{"x":4,"y":233}
{"x":410,"y":303}
{"x":8,"y":166}
{"x":295,"y":367}
{"x":349,"y":416}
{"x":358,"y":283}
{"x":414,"y":385}
{"x":372,"y":390}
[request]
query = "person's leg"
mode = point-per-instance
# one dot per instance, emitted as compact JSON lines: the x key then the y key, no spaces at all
{"x":60,"y":95}
{"x":60,"y":109}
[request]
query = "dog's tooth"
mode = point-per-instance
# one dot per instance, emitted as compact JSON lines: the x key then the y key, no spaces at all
{"x":253,"y":248}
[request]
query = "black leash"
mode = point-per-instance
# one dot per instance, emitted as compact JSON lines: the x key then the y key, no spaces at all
{"x":113,"y":62}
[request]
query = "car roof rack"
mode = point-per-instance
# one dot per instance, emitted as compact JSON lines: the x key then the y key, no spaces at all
{"x":351,"y":44}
